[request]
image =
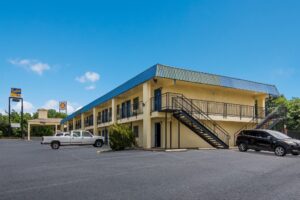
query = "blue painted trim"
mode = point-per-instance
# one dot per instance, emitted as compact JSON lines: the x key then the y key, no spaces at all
{"x":164,"y":71}
{"x":135,"y":81}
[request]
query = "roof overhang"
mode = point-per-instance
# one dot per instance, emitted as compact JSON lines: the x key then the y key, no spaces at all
{"x":164,"y":71}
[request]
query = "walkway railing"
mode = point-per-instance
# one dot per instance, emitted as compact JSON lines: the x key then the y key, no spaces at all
{"x":211,"y":107}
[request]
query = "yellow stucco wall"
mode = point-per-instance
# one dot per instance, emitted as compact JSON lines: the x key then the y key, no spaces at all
{"x":188,"y":139}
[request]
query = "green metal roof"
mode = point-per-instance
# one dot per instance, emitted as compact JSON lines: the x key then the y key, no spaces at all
{"x":212,"y":79}
{"x":164,"y":71}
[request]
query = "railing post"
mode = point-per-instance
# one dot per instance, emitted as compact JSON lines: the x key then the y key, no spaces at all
{"x":181,"y":102}
{"x":225,"y":110}
{"x":167,"y":100}
{"x":207,"y":107}
{"x":192,"y":107}
{"x":241,"y":111}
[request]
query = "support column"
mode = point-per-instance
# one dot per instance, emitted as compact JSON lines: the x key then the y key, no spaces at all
{"x":68,"y":126}
{"x":171,"y":134}
{"x":178,"y":134}
{"x":95,"y":121}
{"x":56,"y":127}
{"x":147,"y":128}
{"x":74,"y":123}
{"x":28,"y":131}
{"x":113,"y":111}
{"x":166,"y":130}
{"x":82,"y":121}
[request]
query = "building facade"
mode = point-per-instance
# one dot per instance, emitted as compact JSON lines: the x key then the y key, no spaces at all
{"x":169,"y":107}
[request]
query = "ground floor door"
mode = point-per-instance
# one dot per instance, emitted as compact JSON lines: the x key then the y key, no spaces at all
{"x":157,"y":135}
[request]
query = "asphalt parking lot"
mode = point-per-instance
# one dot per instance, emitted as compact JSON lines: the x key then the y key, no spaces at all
{"x":29,"y":170}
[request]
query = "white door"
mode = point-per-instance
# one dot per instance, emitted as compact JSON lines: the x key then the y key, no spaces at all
{"x":87,"y":138}
{"x":76,"y":137}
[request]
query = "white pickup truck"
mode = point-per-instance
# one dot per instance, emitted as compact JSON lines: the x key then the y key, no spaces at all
{"x":76,"y":137}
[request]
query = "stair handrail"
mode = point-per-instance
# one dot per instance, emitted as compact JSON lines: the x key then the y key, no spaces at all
{"x":205,"y":116}
{"x":254,"y":122}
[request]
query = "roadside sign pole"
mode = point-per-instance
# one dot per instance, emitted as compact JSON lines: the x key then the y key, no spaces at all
{"x":9,"y":115}
{"x":22,"y":132}
{"x":9,"y":127}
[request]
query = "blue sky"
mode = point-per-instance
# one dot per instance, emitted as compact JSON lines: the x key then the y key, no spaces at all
{"x":78,"y":51}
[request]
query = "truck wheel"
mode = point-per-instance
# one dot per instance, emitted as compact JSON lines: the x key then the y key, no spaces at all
{"x":98,"y":143}
{"x":55,"y":145}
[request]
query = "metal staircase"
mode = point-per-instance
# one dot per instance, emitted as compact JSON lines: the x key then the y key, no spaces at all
{"x":196,"y":120}
{"x":275,"y":116}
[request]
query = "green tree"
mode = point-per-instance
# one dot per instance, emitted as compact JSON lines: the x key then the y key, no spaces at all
{"x":16,"y":118}
{"x":293,"y":117}
{"x":121,"y":137}
{"x":293,"y":110}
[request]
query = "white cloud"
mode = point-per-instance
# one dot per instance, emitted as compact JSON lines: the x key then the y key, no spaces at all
{"x":51,"y":104}
{"x":54,"y":104}
{"x":91,"y":87}
{"x":88,"y":77}
{"x":2,"y":112}
{"x":72,"y":107}
{"x":27,"y":106}
{"x":33,"y":65}
{"x":286,"y":72}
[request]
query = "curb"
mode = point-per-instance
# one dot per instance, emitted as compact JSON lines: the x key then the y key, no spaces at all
{"x":208,"y":148}
{"x":176,"y":150}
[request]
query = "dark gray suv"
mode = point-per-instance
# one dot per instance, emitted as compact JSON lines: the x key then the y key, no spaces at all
{"x":268,"y":140}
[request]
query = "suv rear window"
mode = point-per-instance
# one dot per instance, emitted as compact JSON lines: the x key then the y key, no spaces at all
{"x":249,"y":133}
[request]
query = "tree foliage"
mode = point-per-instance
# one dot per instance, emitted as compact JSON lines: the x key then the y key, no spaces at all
{"x":16,"y":118}
{"x":293,"y":110}
{"x":121,"y":137}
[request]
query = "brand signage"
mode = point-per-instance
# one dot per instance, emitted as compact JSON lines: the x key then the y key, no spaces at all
{"x":63,"y":105}
{"x":15,"y":92}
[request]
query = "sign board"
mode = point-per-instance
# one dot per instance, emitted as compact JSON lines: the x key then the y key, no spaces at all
{"x":63,"y":105}
{"x":15,"y":92}
{"x":15,"y":99}
{"x":15,"y":125}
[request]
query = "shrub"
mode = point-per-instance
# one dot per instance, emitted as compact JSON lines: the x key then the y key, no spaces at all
{"x":121,"y":137}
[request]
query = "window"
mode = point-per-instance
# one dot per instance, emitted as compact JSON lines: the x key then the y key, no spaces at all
{"x":123,"y":113}
{"x":118,"y":109}
{"x":278,"y":135}
{"x":59,"y":134}
{"x":250,"y":133}
{"x":110,"y":114}
{"x":136,"y":103}
{"x":128,"y":108}
{"x":136,"y":131}
{"x":76,"y":134}
{"x":86,"y":134}
{"x":262,"y":135}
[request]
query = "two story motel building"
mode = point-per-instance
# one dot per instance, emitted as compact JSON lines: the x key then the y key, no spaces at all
{"x":169,"y":107}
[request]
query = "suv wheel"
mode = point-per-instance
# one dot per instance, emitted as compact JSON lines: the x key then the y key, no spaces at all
{"x":295,"y":153}
{"x":280,"y":151}
{"x":243,"y":147}
{"x":55,"y":145}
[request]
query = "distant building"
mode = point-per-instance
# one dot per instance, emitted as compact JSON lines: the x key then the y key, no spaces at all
{"x":169,"y":107}
{"x":43,"y":120}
